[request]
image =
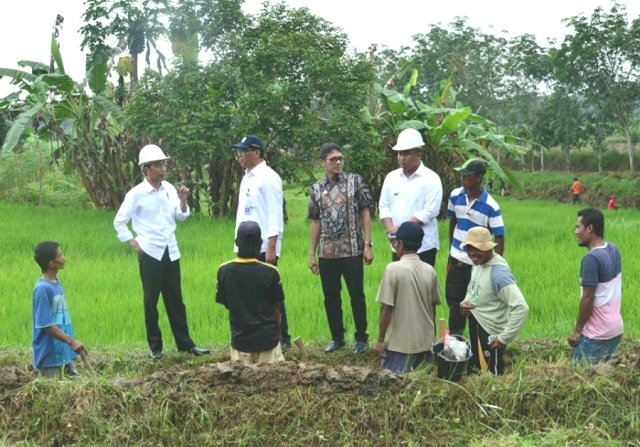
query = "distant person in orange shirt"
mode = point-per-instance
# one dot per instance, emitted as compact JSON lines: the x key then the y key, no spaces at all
{"x":612,"y":203}
{"x":576,"y":188}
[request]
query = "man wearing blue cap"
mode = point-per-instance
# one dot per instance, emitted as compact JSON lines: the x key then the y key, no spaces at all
{"x":260,"y":200}
{"x":409,"y":293}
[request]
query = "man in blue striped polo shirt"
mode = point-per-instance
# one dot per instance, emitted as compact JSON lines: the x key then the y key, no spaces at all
{"x":469,"y":206}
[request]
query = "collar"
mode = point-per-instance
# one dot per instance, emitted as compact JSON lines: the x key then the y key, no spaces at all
{"x":257,"y":168}
{"x":411,"y":257}
{"x":483,"y":197}
{"x":148,"y":187}
{"x":245,"y":260}
{"x":339,"y":179}
{"x":422,"y":170}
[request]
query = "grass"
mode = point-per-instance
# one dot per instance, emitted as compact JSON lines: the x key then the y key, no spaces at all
{"x":541,"y":401}
{"x":105,"y":297}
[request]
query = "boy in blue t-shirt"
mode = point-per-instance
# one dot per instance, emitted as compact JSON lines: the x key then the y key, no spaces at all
{"x":53,"y":343}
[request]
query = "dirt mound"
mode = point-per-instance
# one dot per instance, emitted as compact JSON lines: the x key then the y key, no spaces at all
{"x":12,"y":377}
{"x":248,"y":380}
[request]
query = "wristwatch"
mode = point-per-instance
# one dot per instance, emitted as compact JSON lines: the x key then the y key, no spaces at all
{"x":369,"y":243}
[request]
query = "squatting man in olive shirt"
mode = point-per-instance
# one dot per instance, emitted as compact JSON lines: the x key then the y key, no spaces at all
{"x":409,"y":293}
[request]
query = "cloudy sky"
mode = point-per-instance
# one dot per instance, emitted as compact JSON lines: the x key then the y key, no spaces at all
{"x":365,"y":22}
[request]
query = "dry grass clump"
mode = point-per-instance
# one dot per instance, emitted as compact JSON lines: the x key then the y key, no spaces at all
{"x":343,"y":401}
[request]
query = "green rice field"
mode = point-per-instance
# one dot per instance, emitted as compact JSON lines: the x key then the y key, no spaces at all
{"x":104,"y":293}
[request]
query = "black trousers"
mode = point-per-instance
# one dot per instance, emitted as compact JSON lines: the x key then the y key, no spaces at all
{"x":428,"y":256}
{"x":163,"y":277}
{"x":352,"y":270}
{"x":482,"y":354}
{"x":458,"y":278}
{"x":284,"y":323}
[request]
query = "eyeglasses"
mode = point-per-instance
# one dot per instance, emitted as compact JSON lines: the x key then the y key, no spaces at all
{"x":335,"y":159}
{"x":244,"y":151}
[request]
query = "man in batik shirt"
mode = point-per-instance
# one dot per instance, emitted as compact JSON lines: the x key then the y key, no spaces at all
{"x":341,"y":234}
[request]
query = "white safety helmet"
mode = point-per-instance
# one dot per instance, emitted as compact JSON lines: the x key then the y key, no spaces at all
{"x":151,"y":153}
{"x":408,"y":139}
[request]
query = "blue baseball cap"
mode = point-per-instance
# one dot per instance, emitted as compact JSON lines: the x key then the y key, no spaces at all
{"x":250,"y":142}
{"x":249,"y":231}
{"x":409,"y":232}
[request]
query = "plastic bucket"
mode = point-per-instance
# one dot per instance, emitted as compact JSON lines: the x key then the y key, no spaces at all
{"x":450,"y":370}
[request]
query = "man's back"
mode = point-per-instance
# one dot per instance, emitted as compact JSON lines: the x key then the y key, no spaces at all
{"x":250,"y":288}
{"x":411,"y":287}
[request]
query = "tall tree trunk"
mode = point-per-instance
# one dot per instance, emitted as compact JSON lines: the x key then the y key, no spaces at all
{"x":134,"y":75}
{"x":627,"y":134}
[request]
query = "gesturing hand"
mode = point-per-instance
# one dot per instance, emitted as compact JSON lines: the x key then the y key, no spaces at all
{"x":183,"y":192}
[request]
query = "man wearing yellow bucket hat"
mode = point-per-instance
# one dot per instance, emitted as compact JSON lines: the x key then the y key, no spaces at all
{"x":494,"y":304}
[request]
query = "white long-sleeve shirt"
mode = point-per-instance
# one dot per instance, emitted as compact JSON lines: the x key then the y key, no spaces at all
{"x":418,"y":196}
{"x":261,"y":200}
{"x":153,"y":213}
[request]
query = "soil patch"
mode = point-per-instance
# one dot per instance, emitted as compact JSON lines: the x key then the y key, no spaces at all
{"x":249,"y":380}
{"x":12,"y":377}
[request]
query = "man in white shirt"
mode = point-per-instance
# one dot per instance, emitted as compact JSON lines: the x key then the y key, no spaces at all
{"x":260,"y":200}
{"x":412,"y":193}
{"x":153,"y":206}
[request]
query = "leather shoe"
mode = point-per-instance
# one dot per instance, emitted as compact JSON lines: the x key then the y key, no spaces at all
{"x":198,"y":351}
{"x":334,"y":346}
{"x":155,"y":355}
{"x":285,"y":345}
{"x":361,"y":346}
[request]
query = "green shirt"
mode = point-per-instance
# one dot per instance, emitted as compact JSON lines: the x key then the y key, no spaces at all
{"x":500,"y":307}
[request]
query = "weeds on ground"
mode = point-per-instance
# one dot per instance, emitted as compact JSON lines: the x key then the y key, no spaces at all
{"x":542,"y":400}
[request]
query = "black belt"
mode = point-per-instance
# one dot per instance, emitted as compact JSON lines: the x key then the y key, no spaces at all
{"x":461,"y":264}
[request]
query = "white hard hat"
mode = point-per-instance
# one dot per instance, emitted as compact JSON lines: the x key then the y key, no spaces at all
{"x":408,"y":139}
{"x":151,"y":153}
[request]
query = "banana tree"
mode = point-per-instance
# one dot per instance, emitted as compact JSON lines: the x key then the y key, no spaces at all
{"x":452,"y":132}
{"x":83,"y":128}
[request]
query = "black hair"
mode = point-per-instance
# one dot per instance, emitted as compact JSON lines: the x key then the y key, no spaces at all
{"x":248,"y":249}
{"x":409,"y":246}
{"x":327,"y":148}
{"x":44,"y":253}
{"x":575,"y":178}
{"x":593,"y":217}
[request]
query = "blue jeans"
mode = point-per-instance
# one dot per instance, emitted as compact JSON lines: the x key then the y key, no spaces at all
{"x":595,"y":351}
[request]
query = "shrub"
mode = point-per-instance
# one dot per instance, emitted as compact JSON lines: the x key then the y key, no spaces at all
{"x":29,"y":177}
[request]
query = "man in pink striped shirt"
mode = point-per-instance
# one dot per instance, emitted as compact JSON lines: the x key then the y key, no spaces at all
{"x":599,"y":327}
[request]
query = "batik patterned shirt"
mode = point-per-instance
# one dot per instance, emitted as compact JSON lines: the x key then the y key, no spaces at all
{"x":338,"y":207}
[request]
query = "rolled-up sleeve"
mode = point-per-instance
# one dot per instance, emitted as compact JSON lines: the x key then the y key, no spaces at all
{"x":432,"y":202}
{"x":122,"y":219}
{"x":273,"y":193}
{"x":384,"y":206}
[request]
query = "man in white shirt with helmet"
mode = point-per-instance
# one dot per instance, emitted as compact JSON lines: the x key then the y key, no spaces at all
{"x":153,"y":207}
{"x":412,"y":193}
